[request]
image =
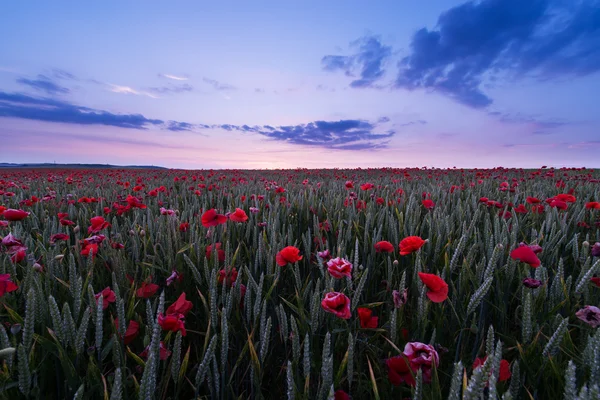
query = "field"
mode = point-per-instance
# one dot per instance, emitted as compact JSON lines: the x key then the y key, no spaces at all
{"x":300,"y":284}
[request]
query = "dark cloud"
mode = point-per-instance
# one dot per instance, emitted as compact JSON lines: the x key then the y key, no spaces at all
{"x":368,"y":60}
{"x":62,"y":74}
{"x":172,"y":88}
{"x":179,"y":126}
{"x":477,"y":41}
{"x":17,"y":105}
{"x":540,"y":125}
{"x":417,"y":122}
{"x":218,"y":85}
{"x":43,"y":84}
{"x":340,"y":135}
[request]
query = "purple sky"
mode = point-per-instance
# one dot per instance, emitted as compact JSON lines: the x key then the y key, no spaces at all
{"x":324,"y":84}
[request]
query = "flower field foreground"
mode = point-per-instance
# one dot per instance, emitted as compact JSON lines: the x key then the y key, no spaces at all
{"x":300,"y":284}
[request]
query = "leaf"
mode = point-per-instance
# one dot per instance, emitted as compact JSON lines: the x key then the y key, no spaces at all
{"x":373,"y":382}
{"x":184,"y":365}
{"x":135,"y":358}
{"x":13,"y":314}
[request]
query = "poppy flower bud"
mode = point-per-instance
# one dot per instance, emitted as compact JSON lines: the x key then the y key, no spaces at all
{"x":395,"y":263}
{"x":585,"y":244}
{"x":76,"y":229}
{"x":37,"y":267}
{"x":142,"y":233}
{"x":59,"y":257}
{"x":16,"y":328}
{"x":131,"y":232}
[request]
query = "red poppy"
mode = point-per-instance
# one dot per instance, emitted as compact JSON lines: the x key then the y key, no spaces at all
{"x":6,"y":285}
{"x":98,"y":223}
{"x":211,"y":218}
{"x":428,"y":204}
{"x":146,"y":290}
{"x":172,"y":322}
{"x":133,"y":329}
{"x":384,"y":247}
{"x":339,"y":267}
{"x":555,"y":203}
{"x":164,"y":353}
{"x":566,"y":197}
{"x":58,"y":236}
{"x":184,"y":226}
{"x":437,"y":289}
{"x":2,"y":209}
{"x":220,"y":252}
{"x":238,"y":216}
{"x":520,"y":209}
{"x":533,"y":200}
{"x":593,"y":205}
{"x":108,"y":296}
{"x":134,"y":202}
{"x":89,"y":248}
{"x":181,"y":306}
{"x":337,"y":304}
{"x":367,"y":320}
{"x":367,"y":186}
{"x":349,"y":185}
{"x":505,"y":373}
{"x":66,"y":222}
{"x":527,"y":255}
{"x":230,"y":277}
{"x":411,"y":244}
{"x":18,"y":254}
{"x":595,"y":280}
{"x":289,"y":254}
{"x":399,"y":370}
{"x":340,"y":395}
{"x":15,"y":215}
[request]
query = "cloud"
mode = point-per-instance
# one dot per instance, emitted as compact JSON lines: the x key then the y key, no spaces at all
{"x":351,"y":134}
{"x":540,"y":126}
{"x":218,"y":85}
{"x":43,"y":84}
{"x":479,"y":41}
{"x":171,"y":88}
{"x":335,"y":135}
{"x":417,"y":122}
{"x":129,"y":90}
{"x":174,"y":77}
{"x":369,"y":60}
{"x":17,"y":105}
{"x":62,"y":74}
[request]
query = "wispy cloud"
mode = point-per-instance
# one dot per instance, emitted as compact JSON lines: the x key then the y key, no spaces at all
{"x":174,"y":77}
{"x":218,"y":85}
{"x":130,"y":90}
{"x":539,"y":125}
{"x":172,"y":88}
{"x":43,"y":84}
{"x":62,"y":74}
{"x":17,"y":105}
{"x":369,"y":60}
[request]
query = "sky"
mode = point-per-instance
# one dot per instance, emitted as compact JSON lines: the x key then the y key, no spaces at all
{"x":314,"y":84}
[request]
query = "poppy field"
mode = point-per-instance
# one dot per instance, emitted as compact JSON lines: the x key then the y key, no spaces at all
{"x":300,"y":284}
